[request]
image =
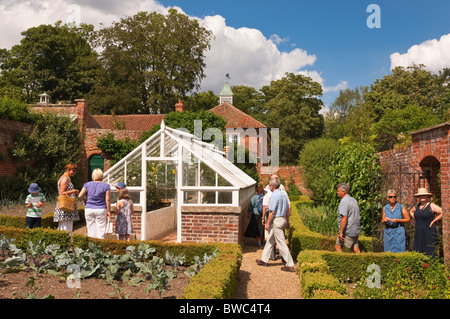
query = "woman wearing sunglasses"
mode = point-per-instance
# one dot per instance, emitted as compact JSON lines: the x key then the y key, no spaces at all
{"x":394,"y":216}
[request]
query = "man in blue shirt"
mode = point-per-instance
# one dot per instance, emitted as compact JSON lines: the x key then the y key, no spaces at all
{"x":276,"y":223}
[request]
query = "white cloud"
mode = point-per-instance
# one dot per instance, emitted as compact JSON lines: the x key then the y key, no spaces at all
{"x":246,"y":54}
{"x":434,"y":54}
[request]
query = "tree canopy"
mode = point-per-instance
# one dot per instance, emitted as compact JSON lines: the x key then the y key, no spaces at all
{"x":150,"y":61}
{"x":56,"y":59}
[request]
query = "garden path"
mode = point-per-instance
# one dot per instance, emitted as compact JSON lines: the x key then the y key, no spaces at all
{"x":259,"y":282}
{"x":256,"y":282}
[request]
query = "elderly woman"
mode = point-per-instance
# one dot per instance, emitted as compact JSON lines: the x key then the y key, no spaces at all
{"x":425,"y":214}
{"x":65,"y":187}
{"x":97,"y":207}
{"x":394,"y":216}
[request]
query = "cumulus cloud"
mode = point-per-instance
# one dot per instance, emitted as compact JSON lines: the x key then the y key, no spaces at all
{"x":248,"y":56}
{"x":244,"y":53}
{"x":434,"y":54}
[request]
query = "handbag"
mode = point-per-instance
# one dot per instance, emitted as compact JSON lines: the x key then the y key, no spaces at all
{"x":66,"y":203}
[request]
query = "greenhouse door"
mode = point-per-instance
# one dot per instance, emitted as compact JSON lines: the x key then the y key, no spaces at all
{"x":95,"y":161}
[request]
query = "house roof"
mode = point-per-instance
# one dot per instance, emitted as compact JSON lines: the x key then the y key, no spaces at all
{"x":235,"y":118}
{"x":132,"y":122}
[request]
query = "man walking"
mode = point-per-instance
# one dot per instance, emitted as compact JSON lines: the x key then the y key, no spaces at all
{"x":276,"y":223}
{"x":348,"y":220}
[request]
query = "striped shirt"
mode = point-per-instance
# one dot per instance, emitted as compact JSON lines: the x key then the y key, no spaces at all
{"x":34,"y":199}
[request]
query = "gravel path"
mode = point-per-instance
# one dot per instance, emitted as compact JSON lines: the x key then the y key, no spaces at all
{"x":259,"y":282}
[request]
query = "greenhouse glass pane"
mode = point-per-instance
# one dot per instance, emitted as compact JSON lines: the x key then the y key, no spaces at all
{"x":207,"y":175}
{"x":190,"y":197}
{"x":225,"y":198}
{"x":116,"y":176}
{"x":222,"y":181}
{"x":134,"y":171}
{"x":208,"y":197}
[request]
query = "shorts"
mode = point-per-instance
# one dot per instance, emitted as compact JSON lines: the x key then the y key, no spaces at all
{"x":348,"y":241}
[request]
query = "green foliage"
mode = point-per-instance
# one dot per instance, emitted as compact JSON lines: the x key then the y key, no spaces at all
{"x":151,"y":61}
{"x":356,"y":165}
{"x":55,"y":59}
{"x":418,"y":280}
{"x":393,"y":127}
{"x":53,"y":142}
{"x":320,"y":219}
{"x":293,"y":106}
{"x":316,"y":157}
{"x":15,"y":110}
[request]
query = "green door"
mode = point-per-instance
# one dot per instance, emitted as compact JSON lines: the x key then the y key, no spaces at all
{"x":95,"y":161}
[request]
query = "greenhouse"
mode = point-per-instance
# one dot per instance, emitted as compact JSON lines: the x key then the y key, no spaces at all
{"x":177,"y":181}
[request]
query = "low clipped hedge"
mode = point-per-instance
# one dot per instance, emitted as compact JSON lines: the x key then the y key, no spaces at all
{"x":216,"y":280}
{"x":324,"y":270}
{"x":302,"y":238}
{"x":47,"y":220}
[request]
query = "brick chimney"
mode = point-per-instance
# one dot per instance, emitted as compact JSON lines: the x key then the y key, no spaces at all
{"x":179,"y":107}
{"x":82,"y":110}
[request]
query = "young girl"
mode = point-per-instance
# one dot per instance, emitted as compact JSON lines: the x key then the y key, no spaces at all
{"x":124,"y":211}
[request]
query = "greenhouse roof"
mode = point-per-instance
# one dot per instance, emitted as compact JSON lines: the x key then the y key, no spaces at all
{"x":165,"y":145}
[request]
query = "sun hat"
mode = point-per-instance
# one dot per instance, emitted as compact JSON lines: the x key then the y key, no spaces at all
{"x":423,"y":192}
{"x":34,"y":188}
{"x":121,"y":185}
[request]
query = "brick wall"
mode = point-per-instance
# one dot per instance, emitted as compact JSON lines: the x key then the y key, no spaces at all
{"x":9,"y":129}
{"x":429,"y":152}
{"x":213,"y":224}
{"x":284,"y":173}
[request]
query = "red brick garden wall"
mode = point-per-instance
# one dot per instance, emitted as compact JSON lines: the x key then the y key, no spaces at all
{"x":8,"y":130}
{"x":429,"y":152}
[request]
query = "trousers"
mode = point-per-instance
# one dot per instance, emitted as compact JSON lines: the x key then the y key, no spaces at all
{"x":96,"y":221}
{"x":276,"y":236}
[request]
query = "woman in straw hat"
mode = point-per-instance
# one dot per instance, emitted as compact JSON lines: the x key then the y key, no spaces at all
{"x":425,"y":214}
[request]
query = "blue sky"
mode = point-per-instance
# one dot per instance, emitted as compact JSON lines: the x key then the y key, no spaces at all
{"x":336,"y":32}
{"x":257,"y":41}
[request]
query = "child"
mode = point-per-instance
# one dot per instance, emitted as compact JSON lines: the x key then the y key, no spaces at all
{"x":34,"y":201}
{"x":124,"y":209}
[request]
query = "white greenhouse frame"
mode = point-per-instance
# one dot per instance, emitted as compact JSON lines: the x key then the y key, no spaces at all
{"x":231,"y":186}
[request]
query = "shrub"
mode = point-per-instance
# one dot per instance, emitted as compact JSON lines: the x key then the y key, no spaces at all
{"x":319,"y":281}
{"x":316,"y":158}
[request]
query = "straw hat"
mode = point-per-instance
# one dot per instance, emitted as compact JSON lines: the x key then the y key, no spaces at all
{"x":423,"y":192}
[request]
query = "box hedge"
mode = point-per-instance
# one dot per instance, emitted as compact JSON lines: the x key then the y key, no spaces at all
{"x":216,"y":280}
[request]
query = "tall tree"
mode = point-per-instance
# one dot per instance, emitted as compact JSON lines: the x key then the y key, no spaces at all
{"x":293,"y":106}
{"x":405,"y":86}
{"x":56,"y":59}
{"x":151,"y":60}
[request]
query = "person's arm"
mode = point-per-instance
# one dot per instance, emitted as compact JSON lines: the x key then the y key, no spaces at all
{"x":405,"y":218}
{"x":63,"y":187}
{"x":384,"y":219}
{"x":437,"y":210}
{"x":342,"y":227}
{"x":108,"y":203}
{"x":269,"y":219}
{"x":81,"y":194}
{"x":412,"y":211}
{"x":264,"y":214}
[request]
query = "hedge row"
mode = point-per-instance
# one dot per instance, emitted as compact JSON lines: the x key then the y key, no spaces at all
{"x":321,"y":269}
{"x":46,"y":221}
{"x":216,"y":280}
{"x":325,"y":270}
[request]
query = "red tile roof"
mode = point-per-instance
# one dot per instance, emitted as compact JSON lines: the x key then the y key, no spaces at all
{"x":132,"y":122}
{"x":235,"y":118}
